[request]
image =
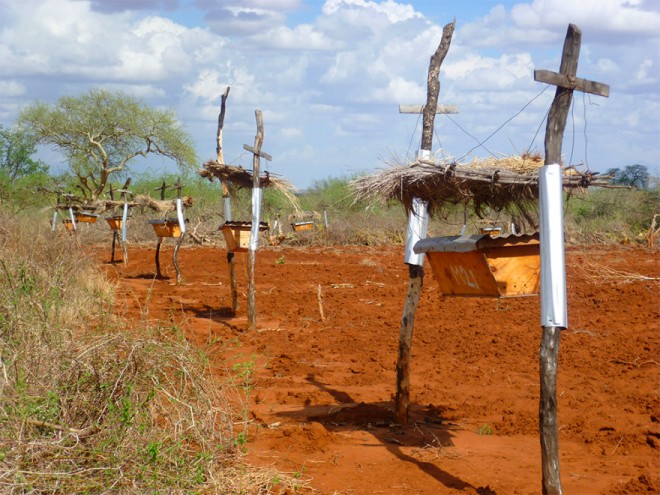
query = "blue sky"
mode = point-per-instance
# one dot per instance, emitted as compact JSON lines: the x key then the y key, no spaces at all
{"x":329,"y":75}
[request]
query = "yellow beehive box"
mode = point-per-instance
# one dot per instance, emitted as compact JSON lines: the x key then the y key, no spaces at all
{"x":491,"y":231}
{"x":237,"y":235}
{"x":115,"y":223}
{"x":166,"y":228}
{"x":85,"y":217}
{"x":68,"y":224}
{"x":302,"y":226}
{"x":484,"y":266}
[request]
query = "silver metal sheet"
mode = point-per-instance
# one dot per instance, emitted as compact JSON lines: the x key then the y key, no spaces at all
{"x":553,"y":268}
{"x":179,"y":216}
{"x":73,"y":219}
{"x":124,"y":219}
{"x":418,"y":220}
{"x":452,"y":243}
{"x":227,"y":210}
{"x":475,"y":242}
{"x":256,"y":215}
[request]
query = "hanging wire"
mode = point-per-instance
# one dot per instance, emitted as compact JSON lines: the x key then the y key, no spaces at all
{"x":481,"y":144}
{"x":412,"y":136}
{"x":466,"y":132}
{"x":538,"y":129}
{"x":437,"y":137}
{"x":570,"y":157}
{"x":584,"y":107}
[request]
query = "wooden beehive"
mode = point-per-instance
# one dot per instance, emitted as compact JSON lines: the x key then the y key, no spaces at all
{"x":115,"y":223}
{"x":237,"y":235}
{"x":491,"y":231}
{"x":166,"y":228}
{"x":68,"y":224}
{"x":85,"y":217}
{"x":302,"y":226}
{"x":481,"y":265}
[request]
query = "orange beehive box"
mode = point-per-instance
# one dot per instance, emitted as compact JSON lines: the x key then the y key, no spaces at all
{"x":115,"y":223}
{"x":237,"y":235}
{"x":302,"y":226}
{"x":166,"y":228}
{"x":85,"y":217}
{"x":481,"y":265}
{"x":491,"y":231}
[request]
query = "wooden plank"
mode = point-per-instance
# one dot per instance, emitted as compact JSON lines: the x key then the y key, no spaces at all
{"x":463,"y":274}
{"x":257,"y":152}
{"x":574,"y":83}
{"x":516,"y":269}
{"x":417,"y":109}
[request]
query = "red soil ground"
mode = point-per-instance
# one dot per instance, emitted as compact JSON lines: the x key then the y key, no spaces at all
{"x":323,"y":390}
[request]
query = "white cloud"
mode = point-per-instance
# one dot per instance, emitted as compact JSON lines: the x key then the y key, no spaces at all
{"x":401,"y":91}
{"x":607,"y":65}
{"x":301,"y":37}
{"x":487,"y":73}
{"x":11,"y":88}
{"x":290,"y":132}
{"x":642,"y":76}
{"x":393,"y":11}
{"x":622,"y":16}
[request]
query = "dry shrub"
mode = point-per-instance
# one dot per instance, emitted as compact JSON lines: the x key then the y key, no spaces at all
{"x":89,"y":406}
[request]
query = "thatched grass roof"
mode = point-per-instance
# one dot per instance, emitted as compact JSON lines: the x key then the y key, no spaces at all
{"x":236,"y":176}
{"x":140,"y":201}
{"x":497,"y":183}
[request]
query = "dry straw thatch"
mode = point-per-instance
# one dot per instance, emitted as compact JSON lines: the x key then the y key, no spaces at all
{"x":497,"y":183}
{"x":140,"y":201}
{"x":236,"y":176}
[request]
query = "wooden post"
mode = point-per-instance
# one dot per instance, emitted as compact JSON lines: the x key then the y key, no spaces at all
{"x":553,"y":275}
{"x":416,"y":272}
{"x":162,"y":189}
{"x":115,"y":234}
{"x":231,"y":258}
{"x":182,"y":226}
{"x":124,"y":225}
{"x":256,"y":211}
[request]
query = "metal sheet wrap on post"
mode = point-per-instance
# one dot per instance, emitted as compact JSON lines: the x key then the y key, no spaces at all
{"x":73,"y":219}
{"x":553,"y":267}
{"x":418,"y":221}
{"x":179,"y":216}
{"x":54,"y":221}
{"x":227,"y":210}
{"x":256,"y":218}
{"x":124,"y":219}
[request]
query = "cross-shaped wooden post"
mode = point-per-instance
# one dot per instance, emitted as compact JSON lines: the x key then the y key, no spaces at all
{"x":256,"y":213}
{"x":220,"y":159}
{"x":553,"y":271}
{"x":417,"y":221}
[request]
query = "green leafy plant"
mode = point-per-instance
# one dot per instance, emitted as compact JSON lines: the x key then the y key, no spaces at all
{"x":485,"y":430}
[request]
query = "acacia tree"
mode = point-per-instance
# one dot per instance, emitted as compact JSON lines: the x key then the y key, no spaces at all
{"x":633,"y":175}
{"x":16,"y":150}
{"x":20,"y":173}
{"x":101,"y":132}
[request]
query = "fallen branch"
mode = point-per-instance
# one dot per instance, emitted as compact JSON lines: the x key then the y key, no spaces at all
{"x":319,"y":297}
{"x":80,"y":433}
